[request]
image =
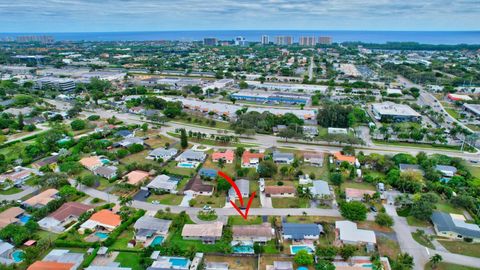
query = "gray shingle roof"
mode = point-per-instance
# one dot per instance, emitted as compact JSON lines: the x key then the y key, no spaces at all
{"x":151,"y":223}
{"x":444,"y":222}
{"x":298,"y":231}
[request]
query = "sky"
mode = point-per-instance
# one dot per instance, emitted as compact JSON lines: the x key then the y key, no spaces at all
{"x":170,"y":15}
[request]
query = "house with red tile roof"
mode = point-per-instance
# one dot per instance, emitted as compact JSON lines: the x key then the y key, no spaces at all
{"x":339,"y":158}
{"x":103,"y":219}
{"x":251,"y":160}
{"x":40,"y":265}
{"x":136,"y":177}
{"x":42,"y":199}
{"x":228,"y":156}
{"x":280,"y":191}
{"x":91,"y":163}
{"x":67,"y":214}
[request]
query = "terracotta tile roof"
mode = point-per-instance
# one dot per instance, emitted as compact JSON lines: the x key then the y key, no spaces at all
{"x":40,"y":265}
{"x":227,"y":155}
{"x":340,"y":157}
{"x":247,"y":156}
{"x":10,"y":215}
{"x":135,"y":177}
{"x":106,"y":217}
{"x":261,"y":230}
{"x":90,"y":161}
{"x":43,"y":198}
{"x":279,"y":189}
{"x":200,"y":230}
{"x":70,"y":209}
{"x":357,"y":193}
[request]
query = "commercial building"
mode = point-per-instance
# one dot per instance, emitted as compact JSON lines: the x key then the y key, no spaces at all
{"x":265,"y":40}
{"x":473,"y":108}
{"x":454,"y":226}
{"x":41,"y":39}
{"x":210,"y":41}
{"x":284,"y":40}
{"x":307,"y":41}
{"x":325,"y":40}
{"x":288,"y":87}
{"x":392,"y":112}
{"x":275,"y":97}
{"x":240,"y":41}
{"x":61,"y":84}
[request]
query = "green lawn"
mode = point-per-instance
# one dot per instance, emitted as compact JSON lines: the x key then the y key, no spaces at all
{"x":172,"y":167}
{"x":417,"y":222}
{"x":127,"y":259}
{"x":293,"y":202}
{"x":461,"y":247}
{"x":449,"y":266}
{"x":448,"y":208}
{"x":213,"y":201}
{"x":474,"y":170}
{"x":388,"y":247}
{"x":138,"y":158}
{"x":177,"y":240}
{"x":10,"y":191}
{"x":422,"y":239}
{"x":122,"y":240}
{"x":238,"y":220}
{"x":168,"y":199}
{"x":421,"y":145}
{"x":356,"y":185}
{"x":321,"y":173}
{"x":454,"y":113}
{"x":104,"y":184}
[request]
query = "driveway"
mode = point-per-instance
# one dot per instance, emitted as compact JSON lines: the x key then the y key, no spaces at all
{"x":140,"y":196}
{"x":17,"y":196}
{"x":265,"y":201}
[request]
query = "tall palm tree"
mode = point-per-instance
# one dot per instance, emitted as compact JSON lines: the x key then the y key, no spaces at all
{"x":435,"y":260}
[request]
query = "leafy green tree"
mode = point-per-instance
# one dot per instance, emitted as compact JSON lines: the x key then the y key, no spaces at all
{"x":324,"y":265}
{"x":347,"y":251}
{"x":183,"y":138}
{"x":435,"y":260}
{"x":404,"y":262}
{"x":383,"y":219}
{"x":303,"y":258}
{"x":354,"y":211}
{"x":336,"y":179}
{"x":267,"y":168}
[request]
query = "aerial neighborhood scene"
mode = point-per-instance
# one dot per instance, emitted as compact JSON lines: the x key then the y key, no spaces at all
{"x":133,"y":136}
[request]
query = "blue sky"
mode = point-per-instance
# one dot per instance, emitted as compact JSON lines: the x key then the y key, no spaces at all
{"x":159,"y":15}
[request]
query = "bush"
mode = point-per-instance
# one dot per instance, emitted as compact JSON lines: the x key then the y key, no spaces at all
{"x":93,"y":117}
{"x":383,"y":219}
{"x":354,"y":211}
{"x":78,"y":124}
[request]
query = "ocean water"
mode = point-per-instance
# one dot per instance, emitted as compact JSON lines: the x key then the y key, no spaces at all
{"x":426,"y":37}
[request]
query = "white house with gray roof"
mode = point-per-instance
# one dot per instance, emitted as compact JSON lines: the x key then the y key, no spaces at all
{"x":283,"y":158}
{"x":244,"y":187}
{"x":163,"y":183}
{"x":162,"y":153}
{"x":191,"y":155}
{"x":454,"y":226}
{"x":445,"y":170}
{"x":320,"y":189}
{"x":148,"y":227}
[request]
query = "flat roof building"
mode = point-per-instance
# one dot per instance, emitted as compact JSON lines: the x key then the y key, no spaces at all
{"x":393,"y":112}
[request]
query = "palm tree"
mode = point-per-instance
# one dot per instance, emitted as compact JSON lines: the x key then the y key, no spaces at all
{"x":435,"y":260}
{"x":126,"y":200}
{"x":405,"y":260}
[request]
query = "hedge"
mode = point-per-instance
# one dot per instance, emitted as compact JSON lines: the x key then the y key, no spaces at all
{"x":66,"y":243}
{"x":112,"y":237}
{"x":89,"y":259}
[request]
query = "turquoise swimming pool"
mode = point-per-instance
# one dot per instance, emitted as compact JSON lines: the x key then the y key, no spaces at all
{"x":178,"y":262}
{"x":105,"y":161}
{"x":24,"y":218}
{"x":243,"y":249}
{"x":302,"y":268}
{"x":297,"y":248}
{"x":157,"y":241}
{"x":186,"y":165}
{"x":17,"y":256}
{"x":101,"y":235}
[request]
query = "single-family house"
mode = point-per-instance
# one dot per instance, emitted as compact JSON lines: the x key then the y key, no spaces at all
{"x":354,"y":194}
{"x":283,"y":158}
{"x":91,"y":163}
{"x":454,"y":226}
{"x":42,"y":199}
{"x":251,"y":160}
{"x":410,"y":167}
{"x":280,"y":191}
{"x":208,"y":234}
{"x":162,"y":153}
{"x":18,"y":176}
{"x":6,"y":250}
{"x":196,"y":187}
{"x":163,"y":182}
{"x":103,"y":219}
{"x":447,"y":171}
{"x":108,"y":172}
{"x":321,"y":189}
{"x":10,"y":216}
{"x":48,"y":161}
{"x":300,"y":231}
{"x":310,"y":131}
{"x":124,"y":133}
{"x":129,"y":142}
{"x":209,"y":173}
{"x":191,"y":155}
{"x":68,"y":213}
{"x":304,"y":179}
{"x":348,"y":234}
{"x":136,"y":177}
{"x":148,"y":227}
{"x":227,"y":156}
{"x":313,"y":159}
{"x":244,"y":187}
{"x":59,"y":259}
{"x":339,"y":158}
{"x":253,"y":233}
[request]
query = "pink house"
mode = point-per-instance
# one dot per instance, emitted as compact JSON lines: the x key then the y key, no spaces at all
{"x":228,"y":156}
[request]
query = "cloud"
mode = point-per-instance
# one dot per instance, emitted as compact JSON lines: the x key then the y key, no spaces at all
{"x":117,"y":15}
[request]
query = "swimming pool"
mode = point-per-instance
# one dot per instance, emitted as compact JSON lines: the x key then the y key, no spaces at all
{"x":17,"y":256}
{"x":245,"y":249}
{"x":297,"y":248}
{"x":24,"y":218}
{"x":105,"y":161}
{"x":157,"y":241}
{"x":101,"y":235}
{"x":178,"y":262}
{"x":302,"y":268}
{"x":189,"y":165}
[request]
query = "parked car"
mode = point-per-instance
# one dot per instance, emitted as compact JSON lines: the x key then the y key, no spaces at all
{"x":373,"y":209}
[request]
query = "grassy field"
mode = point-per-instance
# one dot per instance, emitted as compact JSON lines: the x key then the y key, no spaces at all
{"x":10,"y":191}
{"x":388,"y":247}
{"x":475,"y":171}
{"x":156,"y":141}
{"x":172,"y":167}
{"x":449,"y":266}
{"x":422,"y":239}
{"x":417,"y":222}
{"x":421,"y":145}
{"x":229,"y":169}
{"x":213,"y":201}
{"x":122,"y":240}
{"x":127,"y":259}
{"x":351,"y":184}
{"x":168,"y":199}
{"x":461,"y":247}
{"x":291,"y":202}
{"x":449,"y":208}
{"x":312,"y":219}
{"x":321,"y":173}
{"x":138,"y":158}
{"x":234,"y":263}
{"x":238,"y":220}
{"x":201,"y":121}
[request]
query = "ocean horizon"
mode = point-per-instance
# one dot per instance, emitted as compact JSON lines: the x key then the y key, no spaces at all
{"x":424,"y":37}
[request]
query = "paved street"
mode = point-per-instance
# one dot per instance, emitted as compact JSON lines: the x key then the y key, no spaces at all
{"x":17,"y":196}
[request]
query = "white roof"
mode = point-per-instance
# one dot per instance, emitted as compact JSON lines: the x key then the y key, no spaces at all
{"x":349,"y":232}
{"x":320,"y":187}
{"x":390,"y":108}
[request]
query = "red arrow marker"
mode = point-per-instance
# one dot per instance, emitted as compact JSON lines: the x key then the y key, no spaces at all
{"x":235,"y":187}
{"x":244,"y":215}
